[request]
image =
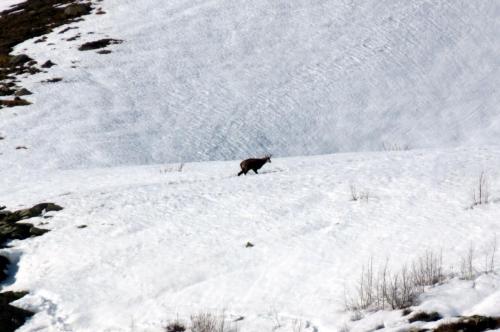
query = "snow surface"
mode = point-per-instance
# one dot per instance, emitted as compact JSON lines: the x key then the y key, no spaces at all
{"x":6,"y":4}
{"x":201,"y":80}
{"x":162,"y":244}
{"x":211,"y":80}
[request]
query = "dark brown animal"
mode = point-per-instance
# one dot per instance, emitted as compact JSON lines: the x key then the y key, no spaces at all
{"x":253,"y":164}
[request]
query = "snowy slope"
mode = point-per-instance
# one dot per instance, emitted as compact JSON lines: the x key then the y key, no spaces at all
{"x":161,"y":243}
{"x":6,"y":4}
{"x":198,"y":80}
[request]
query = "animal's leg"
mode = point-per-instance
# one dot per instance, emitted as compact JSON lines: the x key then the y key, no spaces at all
{"x":255,"y":170}
{"x":240,"y":173}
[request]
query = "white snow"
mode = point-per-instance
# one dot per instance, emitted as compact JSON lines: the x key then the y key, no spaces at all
{"x":6,"y":4}
{"x":198,"y":80}
{"x":164,"y":244}
{"x":219,"y":80}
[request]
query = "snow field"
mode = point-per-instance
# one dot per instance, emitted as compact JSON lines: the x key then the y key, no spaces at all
{"x":165,"y":244}
{"x":217,"y":80}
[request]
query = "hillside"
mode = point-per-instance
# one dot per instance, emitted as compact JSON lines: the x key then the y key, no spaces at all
{"x":122,"y":131}
{"x":161,"y":244}
{"x":212,"y":80}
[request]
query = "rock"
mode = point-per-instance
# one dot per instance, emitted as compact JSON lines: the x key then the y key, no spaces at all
{"x":249,"y":245}
{"x":19,"y":60}
{"x":5,"y":90}
{"x":425,"y":317}
{"x":35,"y":211}
{"x":474,"y":323}
{"x":16,"y":102}
{"x":11,"y":318}
{"x":34,"y":231}
{"x":48,"y":64}
{"x":4,"y":264}
{"x":53,"y":80}
{"x":14,"y":231}
{"x":23,"y":92}
{"x":99,"y":44}
{"x":76,"y":9}
{"x":11,"y":229}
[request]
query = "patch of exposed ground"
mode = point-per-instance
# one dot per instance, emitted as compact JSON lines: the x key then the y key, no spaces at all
{"x":471,"y":324}
{"x":11,"y":318}
{"x":12,"y":228}
{"x":30,"y":19}
{"x":97,"y":44}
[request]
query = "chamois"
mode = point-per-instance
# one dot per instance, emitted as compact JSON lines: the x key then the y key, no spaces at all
{"x":253,"y":164}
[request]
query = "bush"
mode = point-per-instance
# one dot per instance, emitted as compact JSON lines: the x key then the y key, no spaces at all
{"x":175,"y":326}
{"x":396,"y":290}
{"x":207,"y":322}
{"x":481,"y":194}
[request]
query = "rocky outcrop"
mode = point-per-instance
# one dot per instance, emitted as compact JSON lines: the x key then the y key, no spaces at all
{"x":11,"y":318}
{"x":11,"y":228}
{"x":77,"y":9}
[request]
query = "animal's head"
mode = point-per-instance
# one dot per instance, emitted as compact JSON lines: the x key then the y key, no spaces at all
{"x":268,"y":158}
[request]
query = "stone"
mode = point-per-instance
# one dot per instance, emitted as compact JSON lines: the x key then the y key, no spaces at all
{"x":19,"y":60}
{"x":76,"y":10}
{"x":5,"y":90}
{"x":11,"y":318}
{"x":23,"y":92}
{"x":48,"y":64}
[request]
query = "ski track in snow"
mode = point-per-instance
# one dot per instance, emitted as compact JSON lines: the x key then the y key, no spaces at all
{"x":160,"y":245}
{"x":213,"y":80}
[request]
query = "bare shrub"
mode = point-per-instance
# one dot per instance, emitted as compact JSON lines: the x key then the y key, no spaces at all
{"x":344,"y":328}
{"x":172,"y":168}
{"x":481,"y":194}
{"x":395,"y":146}
{"x":386,"y":289}
{"x":395,"y":290}
{"x":401,"y":290}
{"x":467,"y":270}
{"x":175,"y":326}
{"x":428,"y":269}
{"x":490,"y":257}
{"x":208,"y":322}
{"x":297,"y":325}
{"x":358,"y":195}
{"x":356,"y":315}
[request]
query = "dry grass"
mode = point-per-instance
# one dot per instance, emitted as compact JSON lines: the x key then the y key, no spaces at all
{"x":395,"y":289}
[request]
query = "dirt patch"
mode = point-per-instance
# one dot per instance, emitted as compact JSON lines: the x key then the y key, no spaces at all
{"x":14,"y":102}
{"x":471,"y":324}
{"x":30,"y":19}
{"x":53,"y":80}
{"x":11,"y":318}
{"x":425,"y":317}
{"x":102,"y":43}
